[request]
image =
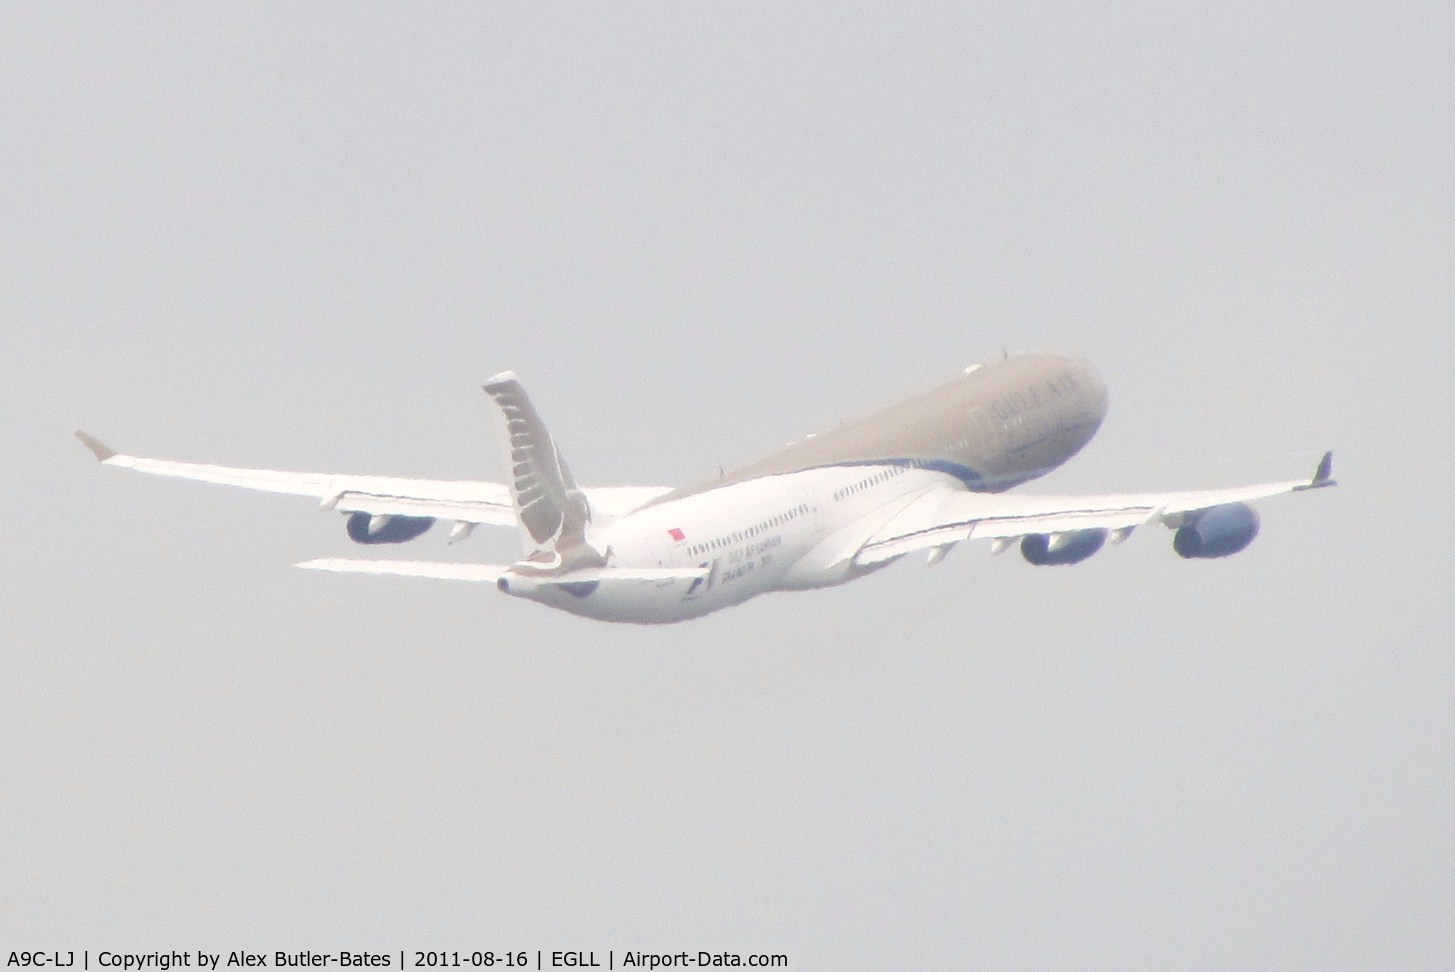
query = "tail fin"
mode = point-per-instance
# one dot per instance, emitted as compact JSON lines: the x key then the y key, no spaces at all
{"x":551,"y":510}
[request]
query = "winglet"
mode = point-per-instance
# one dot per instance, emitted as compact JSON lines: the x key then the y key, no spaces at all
{"x":98,"y":448}
{"x":1323,"y":476}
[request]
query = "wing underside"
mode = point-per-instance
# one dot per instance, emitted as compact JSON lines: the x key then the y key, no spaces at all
{"x":943,"y":517}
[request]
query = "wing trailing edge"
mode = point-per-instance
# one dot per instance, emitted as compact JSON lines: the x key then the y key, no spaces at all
{"x":464,"y":501}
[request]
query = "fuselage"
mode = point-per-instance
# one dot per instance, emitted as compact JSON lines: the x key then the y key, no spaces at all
{"x":786,"y":521}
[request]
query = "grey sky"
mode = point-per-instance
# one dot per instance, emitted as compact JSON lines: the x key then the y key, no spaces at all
{"x":300,"y":236}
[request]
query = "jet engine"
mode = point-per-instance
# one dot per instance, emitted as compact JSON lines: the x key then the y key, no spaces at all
{"x":1061,"y":548}
{"x":1217,"y":531}
{"x":383,"y":528}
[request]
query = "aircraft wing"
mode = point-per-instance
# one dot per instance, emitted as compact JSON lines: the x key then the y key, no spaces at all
{"x":464,"y":501}
{"x":943,"y":517}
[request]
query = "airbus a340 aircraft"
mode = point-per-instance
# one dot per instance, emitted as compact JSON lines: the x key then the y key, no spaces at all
{"x":921,"y":475}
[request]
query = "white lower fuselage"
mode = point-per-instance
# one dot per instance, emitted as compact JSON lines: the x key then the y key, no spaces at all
{"x":794,"y":520}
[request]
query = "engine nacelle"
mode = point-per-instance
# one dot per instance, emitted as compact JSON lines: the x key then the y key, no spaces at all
{"x":1217,"y":532}
{"x":390,"y":529}
{"x":1062,"y":548}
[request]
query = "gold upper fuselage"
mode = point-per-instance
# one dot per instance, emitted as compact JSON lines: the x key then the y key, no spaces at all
{"x":994,"y":426}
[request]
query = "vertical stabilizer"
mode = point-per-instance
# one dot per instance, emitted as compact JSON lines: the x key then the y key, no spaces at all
{"x":551,"y":510}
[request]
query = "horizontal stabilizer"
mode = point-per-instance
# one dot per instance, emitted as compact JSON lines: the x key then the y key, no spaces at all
{"x":480,"y":573}
{"x":490,"y":573}
{"x":610,"y":574}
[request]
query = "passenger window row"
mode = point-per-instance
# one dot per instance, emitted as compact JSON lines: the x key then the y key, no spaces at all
{"x":756,"y":529}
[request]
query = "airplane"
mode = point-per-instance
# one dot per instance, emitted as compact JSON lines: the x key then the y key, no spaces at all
{"x":921,"y":475}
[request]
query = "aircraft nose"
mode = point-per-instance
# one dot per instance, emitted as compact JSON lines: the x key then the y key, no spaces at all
{"x":1090,"y":382}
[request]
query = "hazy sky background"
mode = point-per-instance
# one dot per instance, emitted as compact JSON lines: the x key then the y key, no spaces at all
{"x":300,"y":236}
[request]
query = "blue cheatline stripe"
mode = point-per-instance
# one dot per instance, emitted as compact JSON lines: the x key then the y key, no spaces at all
{"x":972,"y":479}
